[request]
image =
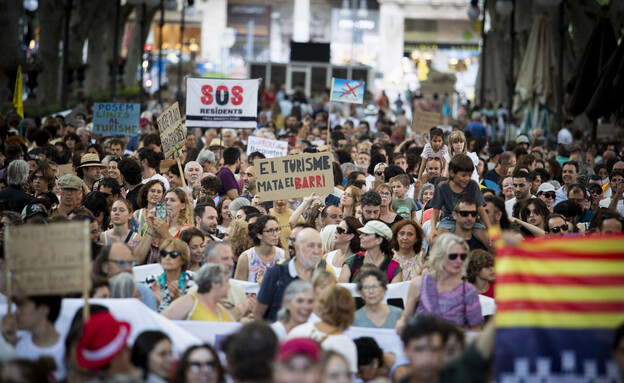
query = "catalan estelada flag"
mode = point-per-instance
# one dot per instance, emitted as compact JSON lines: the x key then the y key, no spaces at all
{"x":558,"y":301}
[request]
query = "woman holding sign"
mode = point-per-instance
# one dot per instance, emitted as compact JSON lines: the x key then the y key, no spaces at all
{"x":253,"y":263}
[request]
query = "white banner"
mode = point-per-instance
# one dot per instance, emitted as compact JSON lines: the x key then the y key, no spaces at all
{"x":221,"y":103}
{"x":270,"y":148}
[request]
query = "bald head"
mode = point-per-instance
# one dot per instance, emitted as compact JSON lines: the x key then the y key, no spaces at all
{"x":119,"y":260}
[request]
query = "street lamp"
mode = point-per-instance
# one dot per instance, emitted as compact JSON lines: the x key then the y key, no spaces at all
{"x":473,"y":11}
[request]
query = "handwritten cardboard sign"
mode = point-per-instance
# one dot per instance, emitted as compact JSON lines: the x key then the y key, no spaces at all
{"x":172,"y":135}
{"x":270,"y":148}
{"x":350,"y":91}
{"x":294,"y":176}
{"x":424,"y":121}
{"x":65,"y":169}
{"x":48,"y":259}
{"x":111,"y":118}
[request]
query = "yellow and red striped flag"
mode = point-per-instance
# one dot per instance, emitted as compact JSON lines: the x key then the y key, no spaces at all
{"x":558,"y":301}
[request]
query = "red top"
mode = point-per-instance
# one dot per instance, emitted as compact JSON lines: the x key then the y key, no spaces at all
{"x":490,"y":292}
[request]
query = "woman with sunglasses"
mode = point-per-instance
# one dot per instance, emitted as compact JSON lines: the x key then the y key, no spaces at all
{"x":174,"y":282}
{"x":556,"y":224}
{"x":199,"y":364}
{"x":375,"y":239}
{"x":254,"y":262}
{"x":212,"y":282}
{"x":442,"y":292}
{"x":546,"y":192}
{"x":346,"y":243}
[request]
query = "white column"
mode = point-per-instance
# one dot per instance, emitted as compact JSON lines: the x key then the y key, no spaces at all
{"x":391,"y":21}
{"x":276,"y":37}
{"x":214,"y":22}
{"x":301,"y":21}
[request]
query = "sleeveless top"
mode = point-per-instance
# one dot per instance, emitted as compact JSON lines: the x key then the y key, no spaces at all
{"x":257,"y":267}
{"x":330,"y":260}
{"x":459,"y":306}
{"x":201,"y":313}
{"x":130,"y":240}
{"x":389,"y":265}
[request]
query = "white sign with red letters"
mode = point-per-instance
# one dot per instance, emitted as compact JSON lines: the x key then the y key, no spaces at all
{"x":221,"y":103}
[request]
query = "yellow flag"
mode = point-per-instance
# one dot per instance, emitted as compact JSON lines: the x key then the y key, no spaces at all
{"x":17,"y":93}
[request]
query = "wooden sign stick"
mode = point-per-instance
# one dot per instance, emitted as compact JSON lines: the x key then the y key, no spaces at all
{"x":86,"y":310}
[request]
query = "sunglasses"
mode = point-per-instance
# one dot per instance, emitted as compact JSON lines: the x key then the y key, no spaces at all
{"x":173,"y":254}
{"x":549,"y":195}
{"x":466,"y":213}
{"x":557,"y":229}
{"x":380,"y":173}
{"x":595,"y":191}
{"x":340,"y":230}
{"x":453,"y":256}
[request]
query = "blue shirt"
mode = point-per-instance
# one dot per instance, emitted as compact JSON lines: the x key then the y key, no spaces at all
{"x":477,"y":129}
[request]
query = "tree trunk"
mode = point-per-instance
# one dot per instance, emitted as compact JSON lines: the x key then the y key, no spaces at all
{"x":135,"y":48}
{"x":51,"y":18}
{"x":100,"y":47}
{"x":10,"y":12}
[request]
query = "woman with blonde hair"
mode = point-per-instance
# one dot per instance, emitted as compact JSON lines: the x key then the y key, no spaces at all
{"x":328,"y":236}
{"x":238,"y":234}
{"x":179,"y":208}
{"x":442,"y":292}
{"x":458,"y":145}
{"x":336,"y":308}
{"x":174,"y":282}
{"x":349,"y":200}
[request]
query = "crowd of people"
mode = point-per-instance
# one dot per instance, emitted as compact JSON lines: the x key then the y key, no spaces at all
{"x":406,"y":208}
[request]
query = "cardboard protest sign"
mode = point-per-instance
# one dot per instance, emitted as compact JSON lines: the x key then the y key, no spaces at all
{"x":172,"y":134}
{"x":116,"y":118}
{"x":270,"y":148}
{"x":48,"y":259}
{"x":294,"y":176}
{"x":424,"y":121}
{"x":65,"y":169}
{"x":350,"y":91}
{"x":221,"y":103}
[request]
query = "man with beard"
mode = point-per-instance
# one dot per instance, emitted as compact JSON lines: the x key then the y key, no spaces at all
{"x":249,"y":186}
{"x":569,"y":174}
{"x":231,"y":164}
{"x":522,"y":191}
{"x":206,"y":220}
{"x":193,"y":173}
{"x":149,"y":161}
{"x":371,"y":206}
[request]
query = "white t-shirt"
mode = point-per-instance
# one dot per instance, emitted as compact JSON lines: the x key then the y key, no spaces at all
{"x":607,"y":201}
{"x":26,"y":349}
{"x":279,"y":330}
{"x":158,"y":177}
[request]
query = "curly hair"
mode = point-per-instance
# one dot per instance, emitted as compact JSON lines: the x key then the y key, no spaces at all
{"x":540,"y":208}
{"x":394,"y":242}
{"x":439,"y":251}
{"x":258,"y":227}
{"x":239,"y":235}
{"x":142,"y":197}
{"x":479,"y":259}
{"x":371,"y":272}
{"x":336,"y":306}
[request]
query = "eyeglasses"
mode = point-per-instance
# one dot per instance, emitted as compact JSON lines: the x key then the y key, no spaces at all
{"x":122,"y":263}
{"x":198,"y":366}
{"x":466,"y":213}
{"x":273,"y":231}
{"x":453,"y":256}
{"x":374,"y":287}
{"x":173,"y":254}
{"x":549,"y":195}
{"x":340,"y":230}
{"x":557,"y":229}
{"x":385,"y":194}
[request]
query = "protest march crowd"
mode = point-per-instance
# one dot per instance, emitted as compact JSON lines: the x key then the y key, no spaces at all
{"x":412,"y":209}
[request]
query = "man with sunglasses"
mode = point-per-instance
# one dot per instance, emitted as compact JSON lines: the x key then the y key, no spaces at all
{"x":595,"y":192}
{"x":556,"y":224}
{"x":465,"y":216}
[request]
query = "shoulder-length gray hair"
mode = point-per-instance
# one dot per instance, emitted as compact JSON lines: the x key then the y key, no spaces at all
{"x":294,"y":288}
{"x":440,"y":250}
{"x":210,"y":274}
{"x":122,"y":285}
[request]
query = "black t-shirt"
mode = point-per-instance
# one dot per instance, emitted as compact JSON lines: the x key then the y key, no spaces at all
{"x":132,"y":196}
{"x":271,"y":293}
{"x":396,"y":219}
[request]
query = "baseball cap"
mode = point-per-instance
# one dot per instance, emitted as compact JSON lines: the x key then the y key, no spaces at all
{"x":299,"y":346}
{"x":143,"y":121}
{"x":522,"y":140}
{"x":379,"y":165}
{"x":103,"y":337}
{"x":69,"y":181}
{"x":595,"y":185}
{"x":545,"y":187}
{"x":32,"y":210}
{"x":376,"y":227}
